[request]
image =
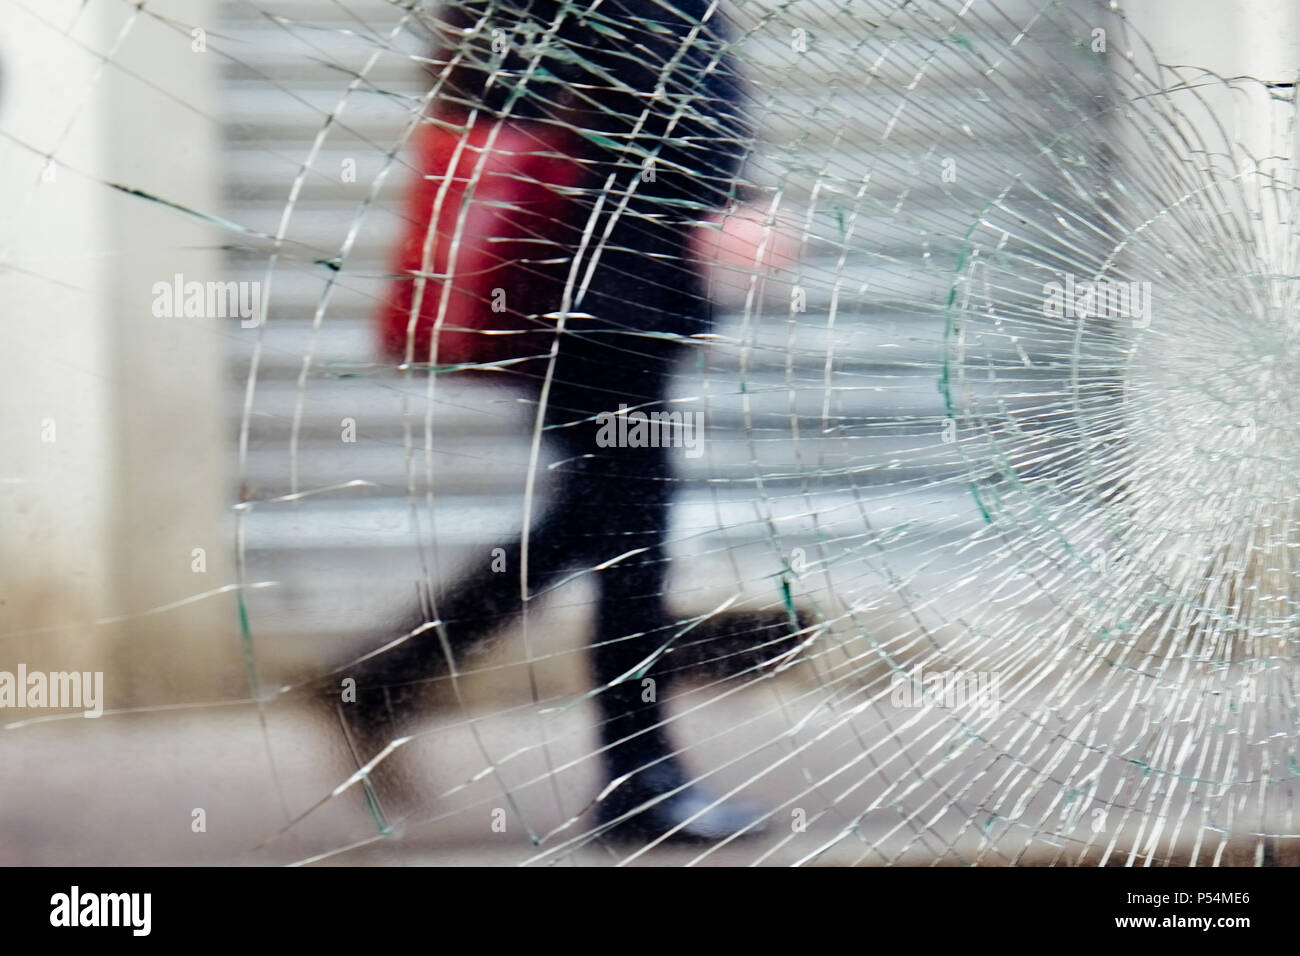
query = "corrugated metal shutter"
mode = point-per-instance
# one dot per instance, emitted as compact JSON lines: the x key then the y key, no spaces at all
{"x":834,"y":458}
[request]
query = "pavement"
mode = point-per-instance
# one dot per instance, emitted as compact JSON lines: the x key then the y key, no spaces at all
{"x":507,"y":780}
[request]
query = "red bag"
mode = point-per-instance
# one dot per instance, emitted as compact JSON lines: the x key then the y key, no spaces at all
{"x":519,"y":217}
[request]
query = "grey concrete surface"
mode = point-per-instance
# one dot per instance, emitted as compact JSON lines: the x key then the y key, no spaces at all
{"x":124,"y":788}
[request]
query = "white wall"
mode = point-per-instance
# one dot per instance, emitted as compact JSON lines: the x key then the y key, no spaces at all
{"x":100,"y":523}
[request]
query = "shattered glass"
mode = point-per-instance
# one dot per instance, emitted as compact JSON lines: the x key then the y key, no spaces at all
{"x":1005,"y":436}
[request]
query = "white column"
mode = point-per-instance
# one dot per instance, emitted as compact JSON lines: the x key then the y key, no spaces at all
{"x":1259,"y":39}
{"x":56,"y":426}
{"x":112,"y":472}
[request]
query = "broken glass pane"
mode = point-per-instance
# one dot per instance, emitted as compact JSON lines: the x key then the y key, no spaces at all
{"x":981,"y":535}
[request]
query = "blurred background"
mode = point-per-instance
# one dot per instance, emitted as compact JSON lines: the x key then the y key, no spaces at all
{"x":215,"y":511}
